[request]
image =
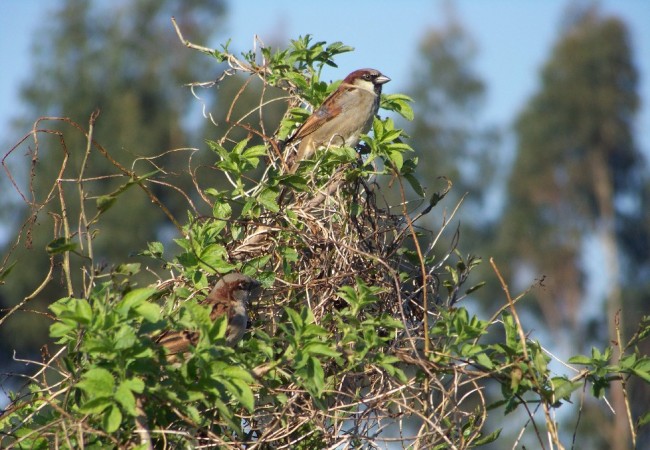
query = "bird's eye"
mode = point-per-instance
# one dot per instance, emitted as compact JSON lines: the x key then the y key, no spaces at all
{"x":366,"y":76}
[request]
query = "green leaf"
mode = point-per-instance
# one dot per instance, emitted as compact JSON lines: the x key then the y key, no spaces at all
{"x":644,"y":375}
{"x":236,"y":372}
{"x":82,"y":311}
{"x":222,"y":210}
{"x":97,"y":382}
{"x":60,"y":245}
{"x":134,"y":384}
{"x":415,"y":185}
{"x":268,"y":199}
{"x":72,"y":311}
{"x":239,"y":148}
{"x":125,"y":397}
{"x":218,"y":329}
{"x":289,"y":254}
{"x":563,"y":387}
{"x":7,"y":271}
{"x":154,"y":249}
{"x":397,"y":159}
{"x":133,"y":299}
{"x":214,"y":257}
{"x":61,"y":329}
{"x":294,"y":181}
{"x":387,"y":363}
{"x":317,"y":348}
{"x":644,"y":420}
{"x":296,"y":319}
{"x":580,"y":359}
{"x":516,"y":375}
{"x":643,"y":364}
{"x":124,"y":338}
{"x":149,"y":311}
{"x":540,"y":360}
{"x":128,"y":269}
{"x":398,"y":103}
{"x":104,"y":202}
{"x":217,"y":148}
{"x":484,"y":360}
{"x":96,"y":405}
{"x":112,"y":419}
{"x":475,"y":287}
{"x":254,"y":152}
{"x":487,"y":439}
{"x":243,"y":394}
{"x":316,"y":375}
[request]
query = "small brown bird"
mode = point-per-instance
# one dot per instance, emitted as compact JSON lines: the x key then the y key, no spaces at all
{"x":344,"y":115}
{"x":229,"y":297}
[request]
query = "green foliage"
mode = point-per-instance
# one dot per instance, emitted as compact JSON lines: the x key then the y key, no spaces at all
{"x":601,"y":370}
{"x":117,"y":374}
{"x":366,"y":337}
{"x":290,"y":65}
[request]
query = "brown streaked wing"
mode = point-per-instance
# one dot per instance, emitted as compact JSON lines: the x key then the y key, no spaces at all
{"x":177,"y":342}
{"x":323,"y":114}
{"x":219,"y":309}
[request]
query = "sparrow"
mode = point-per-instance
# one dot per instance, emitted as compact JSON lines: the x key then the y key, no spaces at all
{"x":229,"y":297}
{"x":343,"y":117}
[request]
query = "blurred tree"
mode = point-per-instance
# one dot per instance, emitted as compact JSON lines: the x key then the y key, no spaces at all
{"x":634,"y":236}
{"x":446,"y":133}
{"x":125,"y":60}
{"x":576,"y":172}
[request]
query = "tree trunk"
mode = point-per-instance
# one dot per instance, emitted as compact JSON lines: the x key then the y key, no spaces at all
{"x":619,"y":438}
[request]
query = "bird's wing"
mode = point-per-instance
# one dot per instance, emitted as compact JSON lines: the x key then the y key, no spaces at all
{"x":326,"y":112}
{"x":219,"y":309}
{"x":177,"y":342}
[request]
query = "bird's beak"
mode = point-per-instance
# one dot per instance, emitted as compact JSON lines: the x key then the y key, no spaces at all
{"x":381,"y":79}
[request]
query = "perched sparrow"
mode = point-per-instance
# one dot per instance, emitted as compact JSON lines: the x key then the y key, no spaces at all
{"x":343,"y":116}
{"x":229,"y":296}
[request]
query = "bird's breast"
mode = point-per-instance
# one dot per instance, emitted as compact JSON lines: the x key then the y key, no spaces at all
{"x":237,"y":324}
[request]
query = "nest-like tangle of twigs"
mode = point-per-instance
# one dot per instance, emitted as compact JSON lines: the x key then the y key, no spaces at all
{"x":335,"y":249}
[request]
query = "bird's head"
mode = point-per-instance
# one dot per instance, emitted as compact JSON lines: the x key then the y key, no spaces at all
{"x":237,"y":286}
{"x":368,"y":79}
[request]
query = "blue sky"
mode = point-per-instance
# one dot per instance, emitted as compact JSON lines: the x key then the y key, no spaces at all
{"x":514,"y":38}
